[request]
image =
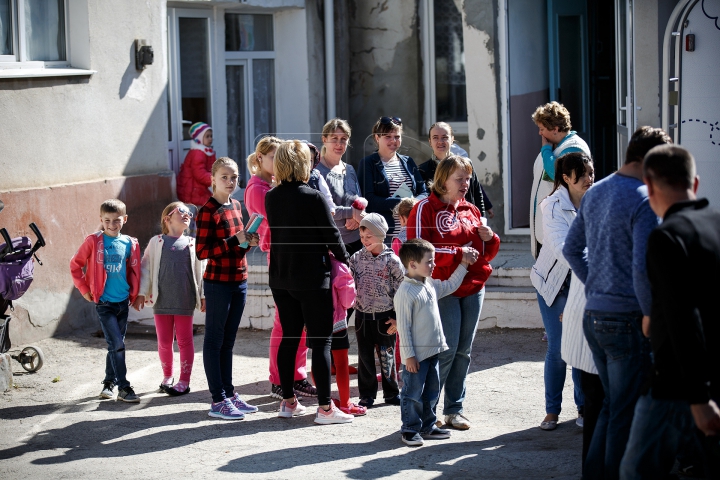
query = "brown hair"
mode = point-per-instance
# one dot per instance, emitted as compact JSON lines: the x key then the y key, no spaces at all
{"x":445,"y":168}
{"x":264,"y":146}
{"x":567,"y":164}
{"x":293,"y":162}
{"x":330,"y":127}
{"x":405,"y":206}
{"x":553,"y":115}
{"x":113,"y":206}
{"x":384,"y":128}
{"x":671,"y":166}
{"x":642,"y":141}
{"x":441,"y":125}
{"x":222,"y":162}
{"x":414,"y":250}
{"x":166,"y":211}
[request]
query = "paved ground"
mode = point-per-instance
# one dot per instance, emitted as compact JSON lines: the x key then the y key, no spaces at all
{"x":62,"y":430}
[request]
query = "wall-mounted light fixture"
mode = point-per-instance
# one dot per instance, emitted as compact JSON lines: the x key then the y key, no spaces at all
{"x":144,"y":54}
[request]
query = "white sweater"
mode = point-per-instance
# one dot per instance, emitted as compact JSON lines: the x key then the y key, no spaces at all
{"x":418,"y":316}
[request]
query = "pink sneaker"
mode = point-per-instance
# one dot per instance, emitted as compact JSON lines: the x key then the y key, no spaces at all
{"x":288,"y":411}
{"x":334,"y":415}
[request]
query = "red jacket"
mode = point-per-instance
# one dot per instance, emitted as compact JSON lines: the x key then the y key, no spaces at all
{"x":449,"y":230}
{"x":194,"y":180}
{"x":91,"y":254}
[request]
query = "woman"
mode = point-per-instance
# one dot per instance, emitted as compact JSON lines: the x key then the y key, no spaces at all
{"x":302,"y":231}
{"x":386,"y":176}
{"x":450,"y":222}
{"x":441,"y":140}
{"x":550,"y":275}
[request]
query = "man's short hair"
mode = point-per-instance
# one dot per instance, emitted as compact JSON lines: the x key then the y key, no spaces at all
{"x":643,"y":140}
{"x":671,"y":166}
{"x":113,"y":206}
{"x":414,"y":250}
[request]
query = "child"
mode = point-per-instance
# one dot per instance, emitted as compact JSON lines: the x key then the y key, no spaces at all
{"x":260,"y":164}
{"x":193,"y":181}
{"x":378,"y":273}
{"x":421,"y":339}
{"x":219,"y":235}
{"x":402,"y":211}
{"x":172,"y":283}
{"x":111,"y":280}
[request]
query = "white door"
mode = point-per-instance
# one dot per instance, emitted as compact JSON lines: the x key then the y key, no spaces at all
{"x":625,"y":88}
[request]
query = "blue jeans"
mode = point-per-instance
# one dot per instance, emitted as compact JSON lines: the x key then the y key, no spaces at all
{"x":113,"y":320}
{"x":660,"y":430}
{"x":622,"y":357}
{"x":420,"y":394}
{"x":555,"y":366}
{"x":224,"y":305}
{"x":459,"y":318}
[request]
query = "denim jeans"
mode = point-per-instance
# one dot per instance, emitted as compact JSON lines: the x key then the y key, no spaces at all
{"x":555,"y":366}
{"x":622,"y":357}
{"x":661,"y":429}
{"x":459,"y":318}
{"x":420,"y":394}
{"x":113,"y":320}
{"x":224,"y":305}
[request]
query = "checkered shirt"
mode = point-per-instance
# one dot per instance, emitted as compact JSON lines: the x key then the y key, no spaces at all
{"x":216,"y":241}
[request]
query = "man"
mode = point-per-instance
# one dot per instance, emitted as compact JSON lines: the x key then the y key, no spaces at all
{"x":683,"y":259}
{"x":613,"y":223}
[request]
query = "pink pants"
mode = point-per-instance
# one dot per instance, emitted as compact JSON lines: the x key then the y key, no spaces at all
{"x":275,"y":338}
{"x":167,"y":327}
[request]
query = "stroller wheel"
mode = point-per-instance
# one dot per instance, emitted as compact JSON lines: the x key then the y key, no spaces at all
{"x":31,"y":358}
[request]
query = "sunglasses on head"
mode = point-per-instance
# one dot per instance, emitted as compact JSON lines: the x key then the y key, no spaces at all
{"x":388,"y":120}
{"x":181,"y":211}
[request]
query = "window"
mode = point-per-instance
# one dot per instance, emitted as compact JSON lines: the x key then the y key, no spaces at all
{"x":33,"y":33}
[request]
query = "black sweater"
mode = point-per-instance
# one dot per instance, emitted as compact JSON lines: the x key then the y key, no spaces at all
{"x":302,"y":231}
{"x":683,"y":265}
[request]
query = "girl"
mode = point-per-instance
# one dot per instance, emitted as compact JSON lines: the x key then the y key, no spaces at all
{"x":193,"y":181}
{"x":171,"y":283}
{"x":402,"y":212}
{"x":260,"y":164}
{"x":219,"y":235}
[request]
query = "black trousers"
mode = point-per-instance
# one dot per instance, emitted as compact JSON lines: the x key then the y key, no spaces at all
{"x":312,"y":309}
{"x":372,"y":338}
{"x":594,"y":396}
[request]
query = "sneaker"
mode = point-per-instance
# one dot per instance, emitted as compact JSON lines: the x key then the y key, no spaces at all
{"x":366,"y":402}
{"x":107,"y":391}
{"x":436,"y":434}
{"x":304,"y":388}
{"x":393,"y":400}
{"x":276,"y":391}
{"x":334,"y":415}
{"x":241,"y":405}
{"x":579,"y":422}
{"x":355,"y":410}
{"x":127,"y":394}
{"x":287,"y":411}
{"x":225,"y":410}
{"x":412,"y":439}
{"x":457,"y":421}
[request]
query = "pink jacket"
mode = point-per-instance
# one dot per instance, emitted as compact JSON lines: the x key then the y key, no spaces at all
{"x":343,"y":292}
{"x":255,"y":193}
{"x":91,"y":254}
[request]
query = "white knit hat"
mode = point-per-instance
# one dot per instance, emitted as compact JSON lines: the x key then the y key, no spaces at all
{"x":376,"y":223}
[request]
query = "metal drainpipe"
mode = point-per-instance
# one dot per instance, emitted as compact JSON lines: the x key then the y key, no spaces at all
{"x":329,"y":59}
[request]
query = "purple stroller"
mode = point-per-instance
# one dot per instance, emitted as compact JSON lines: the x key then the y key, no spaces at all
{"x":16,"y":275}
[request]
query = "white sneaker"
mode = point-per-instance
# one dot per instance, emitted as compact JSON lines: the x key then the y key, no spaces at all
{"x":287,"y":411}
{"x":334,"y":415}
{"x":457,"y":421}
{"x":579,"y":422}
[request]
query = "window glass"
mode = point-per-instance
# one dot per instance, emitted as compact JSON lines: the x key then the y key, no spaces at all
{"x":244,"y":33}
{"x":449,"y":63}
{"x":44,"y":30}
{"x":264,"y":96}
{"x":235,"y":78}
{"x":194,"y":72}
{"x":6,"y":31}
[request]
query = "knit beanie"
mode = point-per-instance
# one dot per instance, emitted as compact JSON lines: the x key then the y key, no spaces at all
{"x":197,"y":131}
{"x":376,"y":223}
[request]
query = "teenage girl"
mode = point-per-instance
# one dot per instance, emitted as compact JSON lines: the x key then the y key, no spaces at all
{"x":172,"y":283}
{"x":260,"y":164}
{"x":220,"y":232}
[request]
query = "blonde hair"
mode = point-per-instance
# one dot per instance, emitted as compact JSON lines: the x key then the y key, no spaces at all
{"x":553,"y":115}
{"x":405,"y":206}
{"x":330,"y":127}
{"x":445,"y":168}
{"x":222,"y":162}
{"x":293,"y":162}
{"x":166,"y":211}
{"x":264,"y":146}
{"x":113,"y":206}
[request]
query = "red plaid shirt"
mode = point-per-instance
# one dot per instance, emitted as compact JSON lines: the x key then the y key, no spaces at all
{"x":216,"y":241}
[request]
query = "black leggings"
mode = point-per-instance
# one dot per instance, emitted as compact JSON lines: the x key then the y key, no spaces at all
{"x":297,"y":309}
{"x":594,"y":396}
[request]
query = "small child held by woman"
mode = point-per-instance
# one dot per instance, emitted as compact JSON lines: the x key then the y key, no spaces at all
{"x":402,"y":210}
{"x":172,"y":283}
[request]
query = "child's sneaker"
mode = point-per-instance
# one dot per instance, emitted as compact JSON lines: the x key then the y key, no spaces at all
{"x":355,"y":410}
{"x":393,"y":400}
{"x":225,"y":410}
{"x":241,"y":405}
{"x":288,"y":411}
{"x":412,"y":439}
{"x":107,"y":391}
{"x":334,"y":415}
{"x":366,"y":402}
{"x":436,"y":434}
{"x":127,"y":394}
{"x":304,"y":388}
{"x":276,"y":391}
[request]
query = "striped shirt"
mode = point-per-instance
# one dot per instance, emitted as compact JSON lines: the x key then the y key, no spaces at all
{"x":396,"y":175}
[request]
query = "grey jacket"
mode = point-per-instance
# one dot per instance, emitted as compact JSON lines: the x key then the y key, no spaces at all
{"x":376,"y":279}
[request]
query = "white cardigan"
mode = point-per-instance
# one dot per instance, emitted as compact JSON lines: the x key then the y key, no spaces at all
{"x":574,"y":348}
{"x":150,"y":266}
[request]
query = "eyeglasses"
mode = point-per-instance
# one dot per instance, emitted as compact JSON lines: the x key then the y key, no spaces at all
{"x":181,"y":211}
{"x":391,"y":120}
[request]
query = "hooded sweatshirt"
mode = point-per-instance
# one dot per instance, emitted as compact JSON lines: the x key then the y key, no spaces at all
{"x":377,"y":278}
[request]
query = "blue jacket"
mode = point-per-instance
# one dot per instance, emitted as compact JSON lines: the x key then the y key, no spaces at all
{"x":376,"y":188}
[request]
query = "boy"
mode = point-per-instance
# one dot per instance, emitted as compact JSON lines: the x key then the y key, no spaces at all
{"x":111,"y":279}
{"x":378,"y":273}
{"x":421,"y":339}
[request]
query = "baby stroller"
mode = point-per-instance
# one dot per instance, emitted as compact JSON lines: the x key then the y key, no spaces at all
{"x":16,"y":275}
